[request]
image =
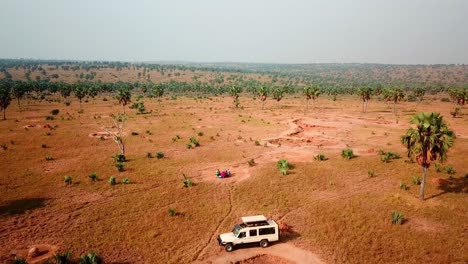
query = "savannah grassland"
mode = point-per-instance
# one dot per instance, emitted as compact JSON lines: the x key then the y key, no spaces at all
{"x":336,"y":209}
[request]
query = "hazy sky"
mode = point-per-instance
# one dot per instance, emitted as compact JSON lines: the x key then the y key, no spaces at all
{"x":293,"y":31}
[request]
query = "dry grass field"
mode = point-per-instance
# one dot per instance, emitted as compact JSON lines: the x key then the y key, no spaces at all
{"x":337,"y":211}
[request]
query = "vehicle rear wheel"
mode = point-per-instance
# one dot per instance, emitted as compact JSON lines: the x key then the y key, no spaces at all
{"x":264,"y":243}
{"x":229,"y":247}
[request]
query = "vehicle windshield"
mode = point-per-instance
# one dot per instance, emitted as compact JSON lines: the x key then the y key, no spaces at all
{"x":236,"y":230}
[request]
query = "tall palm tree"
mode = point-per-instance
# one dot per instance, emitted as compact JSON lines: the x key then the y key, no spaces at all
{"x":430,"y":141}
{"x":395,"y":95}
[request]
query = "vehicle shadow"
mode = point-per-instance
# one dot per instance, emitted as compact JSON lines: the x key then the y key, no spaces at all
{"x":20,"y":206}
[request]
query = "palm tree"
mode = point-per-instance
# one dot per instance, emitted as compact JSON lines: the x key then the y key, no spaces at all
{"x":365,"y":93}
{"x":430,"y":141}
{"x":278,"y":93}
{"x":124,"y":96}
{"x":263,"y":93}
{"x":395,"y":95}
{"x":311,"y":92}
{"x":234,"y":91}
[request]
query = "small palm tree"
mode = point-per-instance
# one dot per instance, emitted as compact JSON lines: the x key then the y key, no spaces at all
{"x":365,"y":94}
{"x":311,"y":92}
{"x":124,"y":96}
{"x":283,"y":166}
{"x":235,"y":91}
{"x":263,"y":94}
{"x":91,"y":258}
{"x":430,"y":141}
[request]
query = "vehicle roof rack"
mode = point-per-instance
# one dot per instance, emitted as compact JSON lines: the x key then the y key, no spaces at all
{"x":256,"y":220}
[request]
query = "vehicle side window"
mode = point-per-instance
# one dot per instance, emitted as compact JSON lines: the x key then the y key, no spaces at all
{"x":253,"y":232}
{"x":241,"y":235}
{"x":266,"y":231}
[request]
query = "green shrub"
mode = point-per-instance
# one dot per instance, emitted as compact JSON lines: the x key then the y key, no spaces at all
{"x":125,"y":180}
{"x":388,"y":156}
{"x":187,"y":181}
{"x":67,"y":180}
{"x":49,"y":118}
{"x":112,"y":180}
{"x":403,"y":186}
{"x":55,"y":111}
{"x":62,"y":258}
{"x":320,"y":157}
{"x":91,"y":258}
{"x":149,"y":155}
{"x":194,"y":142}
{"x":283,"y":166}
{"x":449,"y":170}
{"x":438,"y":167}
{"x":172,"y":212}
{"x":93,"y":176}
{"x":18,"y":260}
{"x":456,"y":112}
{"x":347,"y":153}
{"x":371,"y":173}
{"x":159,"y":155}
{"x":189,"y":146}
{"x":120,"y":166}
{"x":48,"y":157}
{"x":416,"y":180}
{"x":397,"y":218}
{"x":200,"y":134}
{"x":119,"y":158}
{"x":257,"y":143}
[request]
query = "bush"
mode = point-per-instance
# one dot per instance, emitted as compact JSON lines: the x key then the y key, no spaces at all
{"x":251,"y":162}
{"x":172,"y":212}
{"x":438,"y":167}
{"x":49,"y":118}
{"x":48,"y":157}
{"x":456,"y":112}
{"x":18,"y":260}
{"x":403,"y":186}
{"x":62,"y":258}
{"x":449,"y":170}
{"x":320,"y":157}
{"x":68,"y":180}
{"x":55,"y":112}
{"x":200,"y":134}
{"x":397,"y":218}
{"x":119,"y":158}
{"x":187,"y":181}
{"x":445,"y":99}
{"x":283,"y":166}
{"x":125,"y":180}
{"x":257,"y":143}
{"x":416,"y":180}
{"x":120,"y":166}
{"x":91,"y":258}
{"x":194,"y":142}
{"x":371,"y":173}
{"x":159,"y":155}
{"x":93,"y":176}
{"x":388,"y":156}
{"x":189,"y":146}
{"x":347,"y":153}
{"x":149,"y":155}
{"x":134,"y":133}
{"x":4,"y":146}
{"x":112,"y":180}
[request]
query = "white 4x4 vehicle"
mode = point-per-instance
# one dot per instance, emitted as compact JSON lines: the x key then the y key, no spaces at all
{"x":254,"y":229}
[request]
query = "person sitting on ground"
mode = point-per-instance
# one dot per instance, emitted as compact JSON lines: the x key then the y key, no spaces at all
{"x":228,"y":173}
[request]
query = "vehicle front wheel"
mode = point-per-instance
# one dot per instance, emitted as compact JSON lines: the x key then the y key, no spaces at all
{"x":229,"y":247}
{"x":264,"y":243}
